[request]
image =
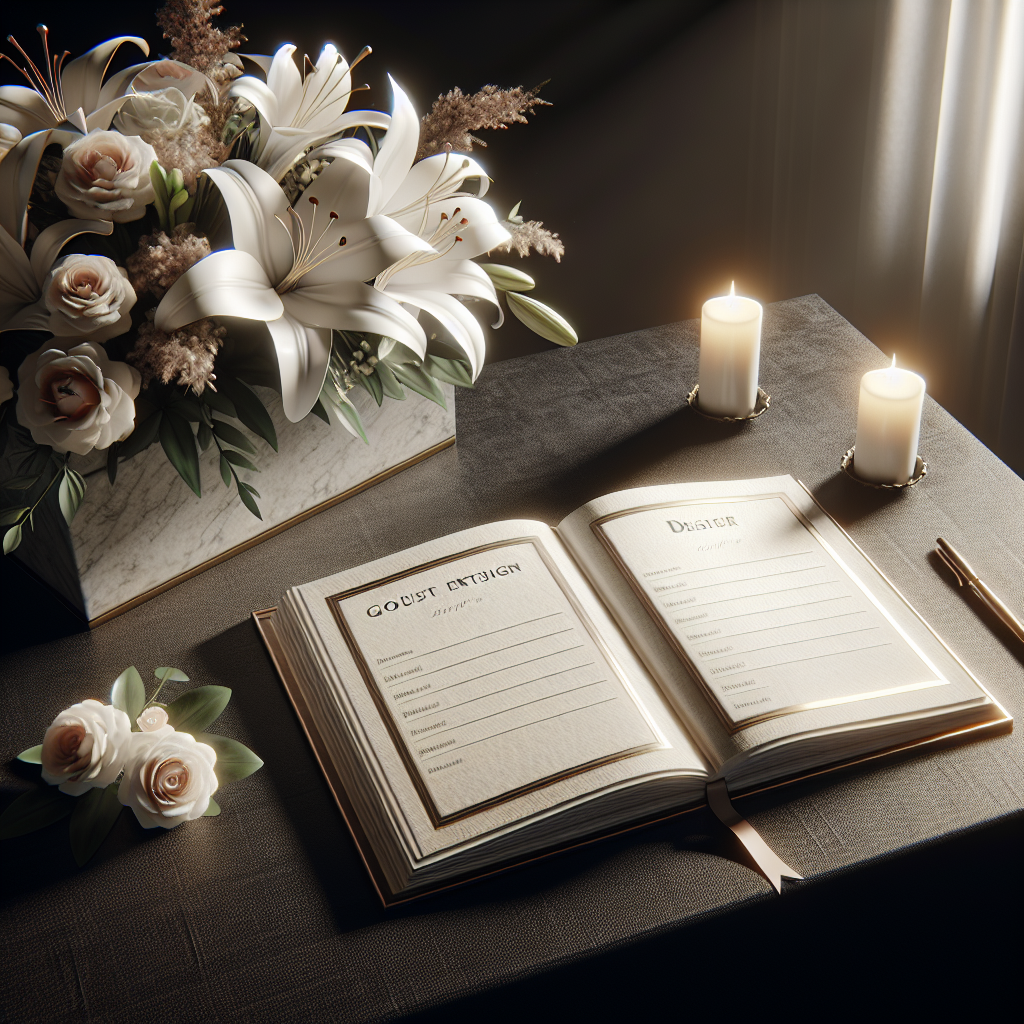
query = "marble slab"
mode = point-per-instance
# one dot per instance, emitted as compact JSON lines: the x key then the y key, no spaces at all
{"x":133,"y":539}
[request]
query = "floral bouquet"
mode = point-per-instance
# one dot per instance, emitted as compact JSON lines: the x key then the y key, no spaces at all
{"x":177,"y":233}
{"x":133,"y":752}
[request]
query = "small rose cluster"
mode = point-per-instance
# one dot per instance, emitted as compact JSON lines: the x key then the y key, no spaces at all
{"x":168,"y":776}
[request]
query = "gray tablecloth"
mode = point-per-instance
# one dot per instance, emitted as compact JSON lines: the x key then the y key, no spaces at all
{"x":265,"y":913}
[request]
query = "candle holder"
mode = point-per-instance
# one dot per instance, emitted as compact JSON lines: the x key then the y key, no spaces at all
{"x":764,"y":401}
{"x":920,"y":472}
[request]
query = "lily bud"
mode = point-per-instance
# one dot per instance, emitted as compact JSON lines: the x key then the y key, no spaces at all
{"x":508,"y":279}
{"x":541,"y":319}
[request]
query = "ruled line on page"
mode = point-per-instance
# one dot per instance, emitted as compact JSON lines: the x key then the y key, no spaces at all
{"x":744,"y":579}
{"x":728,"y":565}
{"x":796,"y":661}
{"x":781,"y":625}
{"x":504,"y":668}
{"x":766,"y":593}
{"x":525,"y":725}
{"x":479,"y":636}
{"x":768,"y":611}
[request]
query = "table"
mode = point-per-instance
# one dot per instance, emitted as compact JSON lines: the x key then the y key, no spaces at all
{"x":265,"y":912}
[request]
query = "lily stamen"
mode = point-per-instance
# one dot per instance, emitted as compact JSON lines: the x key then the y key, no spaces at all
{"x":50,"y":91}
{"x":308,"y":254}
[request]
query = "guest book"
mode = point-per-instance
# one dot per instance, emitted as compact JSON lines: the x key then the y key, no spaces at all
{"x":513,"y":689}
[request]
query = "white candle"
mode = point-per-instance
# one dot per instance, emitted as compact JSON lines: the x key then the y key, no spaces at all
{"x":730,"y":354}
{"x":888,"y":425}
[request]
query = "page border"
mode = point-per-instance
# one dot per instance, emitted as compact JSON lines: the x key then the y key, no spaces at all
{"x":437,"y":819}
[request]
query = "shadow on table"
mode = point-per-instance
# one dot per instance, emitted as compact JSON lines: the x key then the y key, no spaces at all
{"x":848,"y":501}
{"x":33,"y":614}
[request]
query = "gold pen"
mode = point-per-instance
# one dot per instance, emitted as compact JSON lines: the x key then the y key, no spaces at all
{"x":967,"y":577}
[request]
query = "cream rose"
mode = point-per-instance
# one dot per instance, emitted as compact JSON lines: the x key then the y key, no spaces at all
{"x":161,"y":114}
{"x":76,"y":400}
{"x":88,"y":296}
{"x":168,"y":778}
{"x":105,"y":176}
{"x":86,"y":746}
{"x":152,"y":719}
{"x":6,"y":387}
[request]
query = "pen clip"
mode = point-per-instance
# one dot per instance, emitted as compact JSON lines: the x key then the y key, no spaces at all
{"x":960,"y":579}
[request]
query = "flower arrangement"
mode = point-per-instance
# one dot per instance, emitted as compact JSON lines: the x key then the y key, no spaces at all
{"x":176,"y":234}
{"x":133,"y":752}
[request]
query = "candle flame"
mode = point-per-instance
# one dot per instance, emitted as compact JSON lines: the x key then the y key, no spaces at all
{"x":732,"y":290}
{"x":893,"y":367}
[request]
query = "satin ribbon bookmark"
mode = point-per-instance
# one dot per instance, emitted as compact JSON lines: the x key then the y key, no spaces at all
{"x":771,"y":866}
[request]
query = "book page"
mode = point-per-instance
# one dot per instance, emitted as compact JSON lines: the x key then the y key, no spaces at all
{"x":490,"y":676}
{"x":769,"y":619}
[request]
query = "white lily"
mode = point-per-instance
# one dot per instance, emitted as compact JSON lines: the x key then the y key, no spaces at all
{"x":296,"y":112}
{"x":22,"y":277}
{"x":73,"y":94}
{"x":428,"y":199}
{"x":296,"y":274}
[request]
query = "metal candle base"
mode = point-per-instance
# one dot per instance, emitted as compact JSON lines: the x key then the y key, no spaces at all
{"x":764,"y":401}
{"x":847,"y":466}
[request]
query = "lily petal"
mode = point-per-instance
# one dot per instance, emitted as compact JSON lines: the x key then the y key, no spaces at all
{"x":371,"y":245}
{"x":225,"y":283}
{"x":397,"y":150}
{"x":17,"y":173}
{"x":81,"y":79}
{"x":51,"y":240}
{"x":261,"y":60}
{"x":258,"y":93}
{"x":18,"y":285}
{"x":435,"y":178}
{"x":25,"y":109}
{"x":254,"y":200}
{"x":343,"y":187}
{"x":348,"y":149}
{"x":325,"y":92}
{"x":480,"y":235}
{"x":303,"y":354}
{"x":454,"y":277}
{"x":355,"y":306}
{"x":457,"y":320}
{"x":285,"y":82}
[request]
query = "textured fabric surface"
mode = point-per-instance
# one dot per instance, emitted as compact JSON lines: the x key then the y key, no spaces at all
{"x":266,"y":913}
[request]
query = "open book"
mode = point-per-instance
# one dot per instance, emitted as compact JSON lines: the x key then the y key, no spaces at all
{"x":511,"y":689}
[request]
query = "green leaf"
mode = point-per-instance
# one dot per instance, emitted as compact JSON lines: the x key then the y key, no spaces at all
{"x":389,"y":382}
{"x":249,"y":487}
{"x":204,"y":436}
{"x":91,"y":821}
{"x":167,"y":674}
{"x":35,"y":809}
{"x":232,"y":435}
{"x":34,"y":755}
{"x":12,"y":538}
{"x":69,"y":496}
{"x":184,"y":213}
{"x":179,"y":444}
{"x":351,"y":413}
{"x":541,"y":319}
{"x":249,"y":501}
{"x":320,"y":412}
{"x":451,"y":371}
{"x":234,"y":760}
{"x":508,"y":279}
{"x":251,"y":410}
{"x":191,"y":410}
{"x":213,"y":810}
{"x":372,"y":384}
{"x":112,"y":453}
{"x":128,"y":694}
{"x":10,"y":516}
{"x":159,"y":180}
{"x":416,"y":378}
{"x":21,"y":483}
{"x":225,"y":471}
{"x":237,"y":459}
{"x":178,"y":200}
{"x":195,"y":710}
{"x":142,"y":436}
{"x":218,"y":401}
{"x":175,"y":182}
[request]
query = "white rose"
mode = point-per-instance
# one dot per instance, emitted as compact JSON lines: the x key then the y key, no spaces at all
{"x":88,"y":296}
{"x":168,"y":778}
{"x":86,"y":746}
{"x":6,"y":387}
{"x":152,"y":719}
{"x":163,"y":113}
{"x":105,"y":176}
{"x":76,"y":400}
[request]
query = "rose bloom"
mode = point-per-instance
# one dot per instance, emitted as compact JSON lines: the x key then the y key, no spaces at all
{"x":90,"y":296}
{"x":163,"y":113}
{"x":76,"y":400}
{"x":105,"y":176}
{"x":168,"y":778}
{"x":86,"y":746}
